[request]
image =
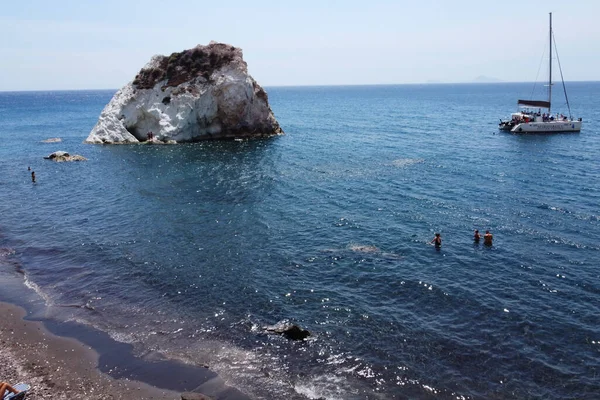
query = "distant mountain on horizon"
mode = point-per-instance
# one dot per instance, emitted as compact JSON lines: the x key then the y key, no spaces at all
{"x":486,"y":79}
{"x":479,"y":79}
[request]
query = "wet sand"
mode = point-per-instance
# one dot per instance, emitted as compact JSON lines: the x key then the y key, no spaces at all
{"x":58,"y":367}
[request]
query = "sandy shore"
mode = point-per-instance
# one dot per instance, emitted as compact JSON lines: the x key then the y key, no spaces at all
{"x":58,"y":367}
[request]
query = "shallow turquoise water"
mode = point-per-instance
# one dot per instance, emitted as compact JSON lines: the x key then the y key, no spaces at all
{"x":190,"y":250}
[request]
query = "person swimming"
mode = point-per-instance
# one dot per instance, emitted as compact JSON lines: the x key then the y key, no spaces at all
{"x":476,"y":236}
{"x":487,"y":238}
{"x":437,"y":241}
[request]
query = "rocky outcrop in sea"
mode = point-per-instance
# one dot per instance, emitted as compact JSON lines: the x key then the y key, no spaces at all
{"x":197,"y":94}
{"x":62,"y":156}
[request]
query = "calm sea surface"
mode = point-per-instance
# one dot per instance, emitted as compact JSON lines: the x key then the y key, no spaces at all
{"x":190,"y":250}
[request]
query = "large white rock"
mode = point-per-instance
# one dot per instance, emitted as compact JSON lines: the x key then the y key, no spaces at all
{"x":201,"y":93}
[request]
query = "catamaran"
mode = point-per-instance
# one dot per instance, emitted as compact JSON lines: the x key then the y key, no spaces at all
{"x":530,"y":120}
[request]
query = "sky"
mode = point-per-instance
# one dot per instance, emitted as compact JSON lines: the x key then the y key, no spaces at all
{"x":64,"y":44}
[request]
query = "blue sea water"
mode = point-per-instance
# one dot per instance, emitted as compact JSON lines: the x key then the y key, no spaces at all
{"x":189,"y":250}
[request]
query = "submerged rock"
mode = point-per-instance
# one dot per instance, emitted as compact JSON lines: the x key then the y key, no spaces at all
{"x":364,"y":248}
{"x":197,"y":94}
{"x":52,"y":140}
{"x":289,"y":330}
{"x":62,"y":156}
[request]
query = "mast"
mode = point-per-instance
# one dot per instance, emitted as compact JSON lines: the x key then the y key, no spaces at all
{"x":550,"y":69}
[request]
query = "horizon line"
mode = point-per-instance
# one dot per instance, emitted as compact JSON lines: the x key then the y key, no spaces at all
{"x":314,"y":85}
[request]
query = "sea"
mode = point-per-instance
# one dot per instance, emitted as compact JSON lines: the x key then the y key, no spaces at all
{"x":189,"y":252}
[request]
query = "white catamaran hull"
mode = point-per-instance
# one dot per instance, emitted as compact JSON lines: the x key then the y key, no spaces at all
{"x":547,"y":127}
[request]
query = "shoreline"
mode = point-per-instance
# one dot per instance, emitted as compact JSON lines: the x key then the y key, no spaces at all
{"x":59,"y":367}
{"x":69,"y":360}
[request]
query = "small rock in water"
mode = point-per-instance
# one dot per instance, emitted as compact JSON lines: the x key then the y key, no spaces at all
{"x":61,"y":156}
{"x":364,"y":248}
{"x":289,"y":330}
{"x":52,"y":140}
{"x":57,"y":154}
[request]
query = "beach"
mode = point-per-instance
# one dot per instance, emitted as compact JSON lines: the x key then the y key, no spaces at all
{"x":58,"y":367}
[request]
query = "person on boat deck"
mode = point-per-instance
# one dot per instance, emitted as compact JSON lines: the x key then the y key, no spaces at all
{"x":437,"y":241}
{"x":476,"y":236}
{"x":6,"y":387}
{"x":487,"y":238}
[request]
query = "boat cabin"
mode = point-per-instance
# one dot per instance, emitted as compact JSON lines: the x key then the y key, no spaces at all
{"x":527,"y":116}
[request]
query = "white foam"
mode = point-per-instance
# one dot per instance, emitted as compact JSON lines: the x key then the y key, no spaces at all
{"x":33,"y":286}
{"x":330,"y":387}
{"x":6,"y":251}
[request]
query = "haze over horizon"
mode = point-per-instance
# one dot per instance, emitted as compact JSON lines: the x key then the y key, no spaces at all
{"x":71,"y":45}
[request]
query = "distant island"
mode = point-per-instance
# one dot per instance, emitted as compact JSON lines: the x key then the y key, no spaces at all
{"x":479,"y":79}
{"x":486,"y":79}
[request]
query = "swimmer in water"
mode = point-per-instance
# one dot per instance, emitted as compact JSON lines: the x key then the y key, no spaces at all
{"x":487,"y":238}
{"x":437,"y":241}
{"x":476,"y":236}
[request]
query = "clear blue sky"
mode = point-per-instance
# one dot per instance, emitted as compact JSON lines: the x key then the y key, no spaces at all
{"x":64,"y":44}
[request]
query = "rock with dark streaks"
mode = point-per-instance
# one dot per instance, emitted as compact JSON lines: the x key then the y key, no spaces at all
{"x":197,"y":94}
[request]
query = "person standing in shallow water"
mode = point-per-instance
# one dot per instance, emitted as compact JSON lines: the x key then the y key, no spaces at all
{"x":487,"y":238}
{"x":33,"y":176}
{"x":437,"y":241}
{"x":476,"y":236}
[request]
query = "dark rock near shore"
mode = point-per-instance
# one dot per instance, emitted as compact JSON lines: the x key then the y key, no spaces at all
{"x":289,"y":330}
